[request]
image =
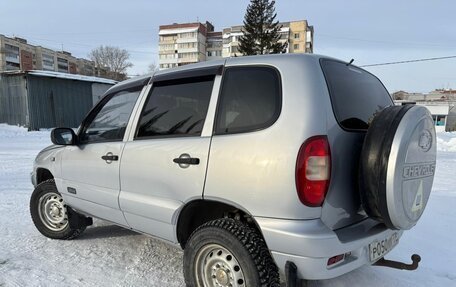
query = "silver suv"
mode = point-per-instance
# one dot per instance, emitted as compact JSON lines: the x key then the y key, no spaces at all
{"x":258,"y":167}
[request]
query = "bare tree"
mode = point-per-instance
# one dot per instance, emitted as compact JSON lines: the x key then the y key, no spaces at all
{"x":152,"y":68}
{"x":111,"y":62}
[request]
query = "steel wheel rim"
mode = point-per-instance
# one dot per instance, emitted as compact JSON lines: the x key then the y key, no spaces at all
{"x":52,"y":211}
{"x":216,"y":266}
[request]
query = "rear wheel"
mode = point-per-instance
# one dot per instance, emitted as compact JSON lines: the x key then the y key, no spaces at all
{"x":50,"y":213}
{"x":225,"y":252}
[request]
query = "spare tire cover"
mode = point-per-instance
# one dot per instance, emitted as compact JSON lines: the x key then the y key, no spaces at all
{"x":397,"y":165}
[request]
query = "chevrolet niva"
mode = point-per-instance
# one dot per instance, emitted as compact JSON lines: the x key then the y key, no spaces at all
{"x":297,"y":166}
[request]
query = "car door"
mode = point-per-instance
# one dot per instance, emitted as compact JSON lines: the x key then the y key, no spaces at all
{"x":90,"y":169}
{"x":164,"y":164}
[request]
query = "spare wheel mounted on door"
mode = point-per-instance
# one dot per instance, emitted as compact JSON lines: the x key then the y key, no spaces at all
{"x":397,"y":165}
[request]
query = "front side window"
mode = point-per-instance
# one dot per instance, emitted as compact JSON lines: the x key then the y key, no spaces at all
{"x":109,"y":121}
{"x":176,"y":108}
{"x":250,"y":99}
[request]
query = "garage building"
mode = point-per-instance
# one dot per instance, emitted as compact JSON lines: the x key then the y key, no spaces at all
{"x":42,"y":99}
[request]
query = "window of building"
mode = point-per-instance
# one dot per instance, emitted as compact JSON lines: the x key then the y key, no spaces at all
{"x":309,"y":36}
{"x":62,"y":65}
{"x":166,"y":47}
{"x":12,"y":53}
{"x":176,"y":108}
{"x":214,"y":45}
{"x":187,"y":35}
{"x":296,"y":46}
{"x":168,"y":38}
{"x":250,"y":99}
{"x":48,"y":62}
{"x":296,"y":35}
{"x":12,"y":66}
{"x":187,"y":45}
{"x":188,"y":55}
{"x":109,"y":121}
{"x":167,"y":56}
{"x":440,"y":120}
{"x":209,"y":53}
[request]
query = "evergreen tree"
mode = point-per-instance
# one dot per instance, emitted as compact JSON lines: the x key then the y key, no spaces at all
{"x":261,"y":30}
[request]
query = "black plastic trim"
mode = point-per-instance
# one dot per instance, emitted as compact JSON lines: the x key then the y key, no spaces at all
{"x":129,"y":85}
{"x":191,"y":73}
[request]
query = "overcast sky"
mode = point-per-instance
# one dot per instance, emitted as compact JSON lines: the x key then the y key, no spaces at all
{"x":367,"y":31}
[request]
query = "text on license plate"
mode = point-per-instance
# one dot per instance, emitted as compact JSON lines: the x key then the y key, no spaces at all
{"x":378,"y":249}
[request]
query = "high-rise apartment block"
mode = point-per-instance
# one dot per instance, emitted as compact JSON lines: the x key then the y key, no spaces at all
{"x":182,"y":44}
{"x":17,"y":54}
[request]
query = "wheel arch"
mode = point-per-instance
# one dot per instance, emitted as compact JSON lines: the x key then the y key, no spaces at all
{"x":43,"y":174}
{"x":197,"y":212}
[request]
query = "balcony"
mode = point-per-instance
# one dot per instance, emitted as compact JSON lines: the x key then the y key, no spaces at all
{"x":12,"y":58}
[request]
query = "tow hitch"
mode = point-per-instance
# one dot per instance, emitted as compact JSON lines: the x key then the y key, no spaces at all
{"x":399,"y":265}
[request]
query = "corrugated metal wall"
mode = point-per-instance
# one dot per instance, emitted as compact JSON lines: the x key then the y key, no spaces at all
{"x":13,"y":100}
{"x":98,"y":90}
{"x":55,"y":102}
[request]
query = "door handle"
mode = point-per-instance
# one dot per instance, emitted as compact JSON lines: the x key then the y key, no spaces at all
{"x":189,"y":160}
{"x":109,"y":157}
{"x":185,"y":160}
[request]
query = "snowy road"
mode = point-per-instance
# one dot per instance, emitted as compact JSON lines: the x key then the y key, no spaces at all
{"x":107,"y":255}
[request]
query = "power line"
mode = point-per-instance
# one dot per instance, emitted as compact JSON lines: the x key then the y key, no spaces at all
{"x":409,"y":61}
{"x":446,"y":45}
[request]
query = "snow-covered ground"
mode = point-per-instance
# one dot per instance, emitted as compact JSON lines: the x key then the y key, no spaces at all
{"x":107,"y":255}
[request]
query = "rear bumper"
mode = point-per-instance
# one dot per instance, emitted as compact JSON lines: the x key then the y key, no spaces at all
{"x":309,"y":244}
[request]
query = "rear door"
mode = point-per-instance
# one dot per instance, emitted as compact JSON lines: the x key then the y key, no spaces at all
{"x":356,"y":97}
{"x":164,"y":162}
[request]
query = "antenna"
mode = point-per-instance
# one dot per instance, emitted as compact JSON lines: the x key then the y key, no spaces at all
{"x":351,"y":61}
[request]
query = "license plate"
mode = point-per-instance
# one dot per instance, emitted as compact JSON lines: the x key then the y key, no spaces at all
{"x":378,"y":249}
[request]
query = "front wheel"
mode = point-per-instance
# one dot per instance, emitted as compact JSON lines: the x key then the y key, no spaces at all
{"x":225,"y":252}
{"x":50,"y":214}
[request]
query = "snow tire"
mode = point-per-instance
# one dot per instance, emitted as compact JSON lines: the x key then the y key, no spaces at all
{"x":245,"y":244}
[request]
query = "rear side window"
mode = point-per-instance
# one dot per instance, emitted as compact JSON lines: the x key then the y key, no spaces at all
{"x":356,"y":95}
{"x":250,"y":99}
{"x":176,"y":108}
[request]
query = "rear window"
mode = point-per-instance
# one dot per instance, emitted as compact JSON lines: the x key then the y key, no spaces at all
{"x":356,"y":95}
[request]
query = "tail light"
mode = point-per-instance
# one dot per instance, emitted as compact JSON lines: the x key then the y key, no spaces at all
{"x":313,"y":168}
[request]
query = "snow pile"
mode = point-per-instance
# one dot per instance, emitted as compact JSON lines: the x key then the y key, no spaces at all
{"x":107,"y":255}
{"x":446,"y":142}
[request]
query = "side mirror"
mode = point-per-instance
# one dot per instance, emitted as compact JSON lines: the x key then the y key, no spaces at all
{"x":63,"y":136}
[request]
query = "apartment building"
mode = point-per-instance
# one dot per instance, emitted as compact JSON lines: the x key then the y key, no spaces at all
{"x":181,"y":44}
{"x":17,"y":54}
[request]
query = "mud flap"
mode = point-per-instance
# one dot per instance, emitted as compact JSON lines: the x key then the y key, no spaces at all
{"x":291,"y":276}
{"x":77,"y":220}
